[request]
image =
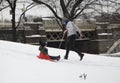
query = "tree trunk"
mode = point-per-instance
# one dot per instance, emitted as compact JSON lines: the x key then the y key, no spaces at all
{"x":13,"y":26}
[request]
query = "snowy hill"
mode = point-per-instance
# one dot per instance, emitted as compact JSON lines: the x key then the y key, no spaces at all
{"x":19,"y":64}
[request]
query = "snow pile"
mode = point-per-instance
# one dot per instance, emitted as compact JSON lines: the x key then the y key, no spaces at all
{"x":105,"y":34}
{"x":19,"y":64}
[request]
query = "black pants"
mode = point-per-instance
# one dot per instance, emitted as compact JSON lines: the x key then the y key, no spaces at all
{"x":54,"y":57}
{"x":70,"y":45}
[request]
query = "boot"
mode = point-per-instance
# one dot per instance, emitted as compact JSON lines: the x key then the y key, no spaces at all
{"x":81,"y":56}
{"x":58,"y":58}
{"x":66,"y":57}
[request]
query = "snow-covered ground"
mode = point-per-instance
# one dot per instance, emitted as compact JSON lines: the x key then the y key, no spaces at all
{"x":19,"y":64}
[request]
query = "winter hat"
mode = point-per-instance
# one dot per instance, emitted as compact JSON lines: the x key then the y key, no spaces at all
{"x":65,"y":21}
{"x":42,"y":43}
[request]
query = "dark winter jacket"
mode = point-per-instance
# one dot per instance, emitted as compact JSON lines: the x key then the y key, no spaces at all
{"x":43,"y":49}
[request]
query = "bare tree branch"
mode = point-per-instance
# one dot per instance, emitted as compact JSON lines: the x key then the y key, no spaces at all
{"x":1,"y":1}
{"x":10,"y":3}
{"x":65,"y":11}
{"x":77,"y":13}
{"x":68,"y":3}
{"x":40,"y":2}
{"x":4,"y":8}
{"x":74,"y":6}
{"x":114,"y":2}
{"x":27,"y":8}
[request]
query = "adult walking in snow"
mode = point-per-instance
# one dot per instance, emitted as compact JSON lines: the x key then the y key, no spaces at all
{"x":72,"y":32}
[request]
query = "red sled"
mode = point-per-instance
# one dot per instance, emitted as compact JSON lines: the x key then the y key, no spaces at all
{"x":43,"y":56}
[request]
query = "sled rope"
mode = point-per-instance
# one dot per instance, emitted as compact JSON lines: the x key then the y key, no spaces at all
{"x":61,"y":40}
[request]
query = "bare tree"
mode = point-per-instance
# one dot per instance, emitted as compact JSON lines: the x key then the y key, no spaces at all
{"x":12,"y":4}
{"x":75,"y":8}
{"x":70,"y":9}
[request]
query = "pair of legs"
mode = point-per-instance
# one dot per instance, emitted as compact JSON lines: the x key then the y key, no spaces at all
{"x":55,"y":57}
{"x":70,"y":45}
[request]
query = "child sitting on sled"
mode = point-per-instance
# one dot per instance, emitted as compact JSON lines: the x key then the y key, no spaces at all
{"x":44,"y":53}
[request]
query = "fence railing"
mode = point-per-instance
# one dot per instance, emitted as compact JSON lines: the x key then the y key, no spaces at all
{"x":115,"y":47}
